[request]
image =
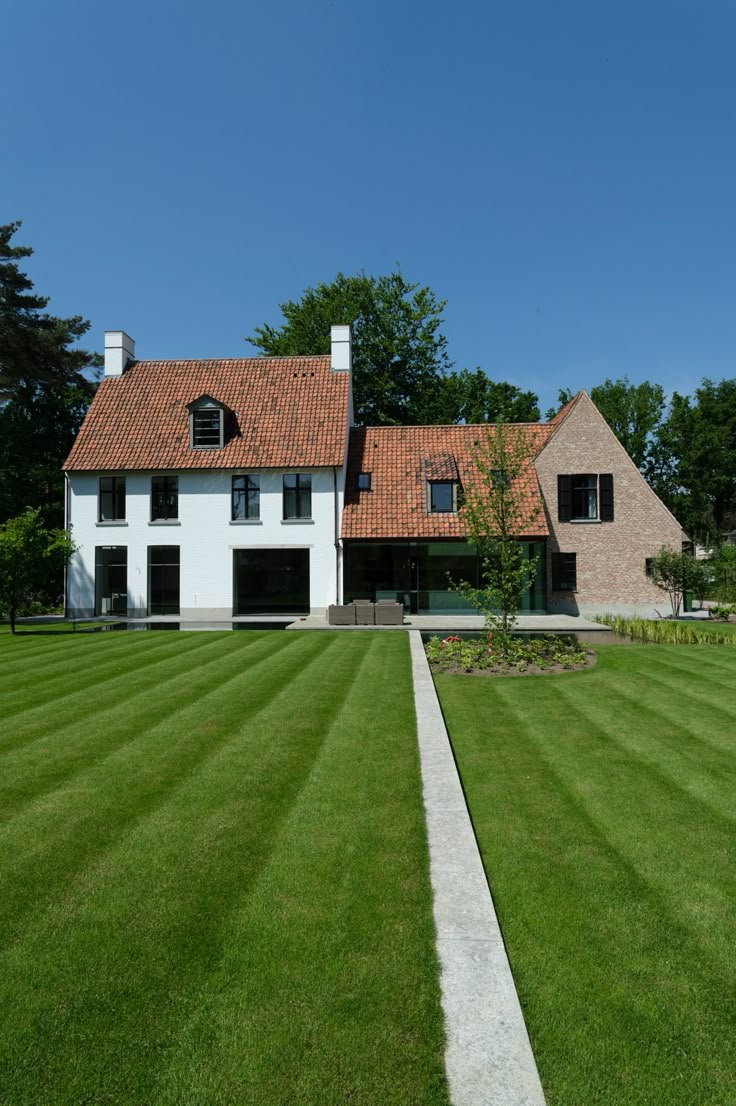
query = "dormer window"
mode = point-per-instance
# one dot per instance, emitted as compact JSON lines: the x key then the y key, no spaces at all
{"x":206,"y":424}
{"x":442,"y":497}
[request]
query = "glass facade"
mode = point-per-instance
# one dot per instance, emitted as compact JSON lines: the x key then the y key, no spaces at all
{"x":271,"y":581}
{"x":419,"y":574}
{"x":111,"y":579}
{"x":163,"y":579}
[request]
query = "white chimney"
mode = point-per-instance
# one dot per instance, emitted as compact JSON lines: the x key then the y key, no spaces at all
{"x":119,"y":350}
{"x":342,"y":349}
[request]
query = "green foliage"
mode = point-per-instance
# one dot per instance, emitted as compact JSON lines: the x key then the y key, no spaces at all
{"x":401,"y":369}
{"x":675,"y":573}
{"x":30,"y":555}
{"x":564,"y":395}
{"x":399,"y":354}
{"x":496,"y":513}
{"x":472,"y":397}
{"x":694,"y":460}
{"x":666,"y":632}
{"x":44,"y":391}
{"x":633,"y":411}
{"x":723,"y":568}
{"x":548,"y":653}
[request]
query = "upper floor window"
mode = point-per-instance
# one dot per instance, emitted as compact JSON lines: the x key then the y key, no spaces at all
{"x":206,"y":424}
{"x":363,"y":483}
{"x":585,"y":497}
{"x":111,"y":499}
{"x":164,"y":498}
{"x":298,"y":495}
{"x":442,"y":497}
{"x":246,"y":498}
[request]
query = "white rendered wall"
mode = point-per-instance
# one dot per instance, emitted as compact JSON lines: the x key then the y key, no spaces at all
{"x":205,"y":535}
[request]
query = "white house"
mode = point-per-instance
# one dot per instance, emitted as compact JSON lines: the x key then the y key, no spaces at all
{"x":210,"y":488}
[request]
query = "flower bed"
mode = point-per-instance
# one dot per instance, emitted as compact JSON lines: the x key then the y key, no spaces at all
{"x":484,"y":657}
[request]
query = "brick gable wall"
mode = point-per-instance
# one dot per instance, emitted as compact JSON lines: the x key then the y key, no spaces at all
{"x":611,"y":556}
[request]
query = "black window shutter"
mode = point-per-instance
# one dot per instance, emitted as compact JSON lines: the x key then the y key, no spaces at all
{"x":606,"y":491}
{"x":564,"y":498}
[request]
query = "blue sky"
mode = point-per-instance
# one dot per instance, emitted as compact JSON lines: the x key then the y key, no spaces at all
{"x":563,"y":174}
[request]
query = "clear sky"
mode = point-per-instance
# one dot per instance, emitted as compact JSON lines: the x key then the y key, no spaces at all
{"x":564,"y":174}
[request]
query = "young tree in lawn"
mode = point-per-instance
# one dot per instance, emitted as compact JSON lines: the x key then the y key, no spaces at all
{"x":675,"y":573}
{"x":499,"y":509}
{"x":30,"y":555}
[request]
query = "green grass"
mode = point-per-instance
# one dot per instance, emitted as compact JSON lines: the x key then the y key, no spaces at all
{"x":213,"y":873}
{"x":604,"y":804}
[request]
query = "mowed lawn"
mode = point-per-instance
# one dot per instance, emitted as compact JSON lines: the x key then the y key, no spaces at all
{"x":605,"y":807}
{"x":213,"y":873}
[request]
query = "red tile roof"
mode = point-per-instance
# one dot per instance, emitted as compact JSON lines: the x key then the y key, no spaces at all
{"x":291,"y":412}
{"x":397,"y":458}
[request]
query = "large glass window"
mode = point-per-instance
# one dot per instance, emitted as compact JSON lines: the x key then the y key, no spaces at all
{"x":163,"y":579}
{"x":246,"y":498}
{"x":298,"y":495}
{"x":111,"y":499}
{"x":585,"y":496}
{"x":164,"y":497}
{"x":271,"y":581}
{"x":111,"y":579}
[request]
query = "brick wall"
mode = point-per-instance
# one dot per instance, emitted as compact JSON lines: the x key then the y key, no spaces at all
{"x":611,"y":556}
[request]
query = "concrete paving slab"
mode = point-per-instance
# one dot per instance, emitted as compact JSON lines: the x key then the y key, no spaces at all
{"x":488,"y":1057}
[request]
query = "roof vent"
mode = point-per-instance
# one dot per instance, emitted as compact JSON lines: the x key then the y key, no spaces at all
{"x":119,"y":351}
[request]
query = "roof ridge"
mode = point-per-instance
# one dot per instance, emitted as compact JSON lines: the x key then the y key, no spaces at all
{"x":449,"y":425}
{"x":195,"y":360}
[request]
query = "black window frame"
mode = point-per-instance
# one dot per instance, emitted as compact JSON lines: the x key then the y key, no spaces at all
{"x":300,"y":494}
{"x":250,"y":494}
{"x":169,"y":492}
{"x":433,"y":485}
{"x":117,"y":495}
{"x":363,"y":482}
{"x":164,"y":567}
{"x":570,"y":493}
{"x":207,"y":437}
{"x":564,"y":571}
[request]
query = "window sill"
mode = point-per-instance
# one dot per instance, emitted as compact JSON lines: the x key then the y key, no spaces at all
{"x":585,"y":521}
{"x":297,"y":522}
{"x":246,"y":522}
{"x":112,"y":522}
{"x":164,"y":522}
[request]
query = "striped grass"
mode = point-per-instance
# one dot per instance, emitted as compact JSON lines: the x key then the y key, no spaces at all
{"x":213,"y":873}
{"x":604,"y":804}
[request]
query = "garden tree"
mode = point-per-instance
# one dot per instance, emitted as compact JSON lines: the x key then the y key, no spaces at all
{"x":694,"y":459}
{"x":34,"y":346}
{"x":634,"y":413}
{"x":31,"y":556}
{"x":723,"y":567}
{"x":399,"y":354}
{"x":472,"y":397}
{"x":496,"y":512}
{"x":675,"y":573}
{"x":43,"y":389}
{"x":564,"y":395}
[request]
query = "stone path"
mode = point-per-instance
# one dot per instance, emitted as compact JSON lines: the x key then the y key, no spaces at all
{"x":488,"y":1057}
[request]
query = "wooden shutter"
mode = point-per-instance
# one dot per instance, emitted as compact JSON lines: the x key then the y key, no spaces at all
{"x":564,"y":498}
{"x":605,"y":485}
